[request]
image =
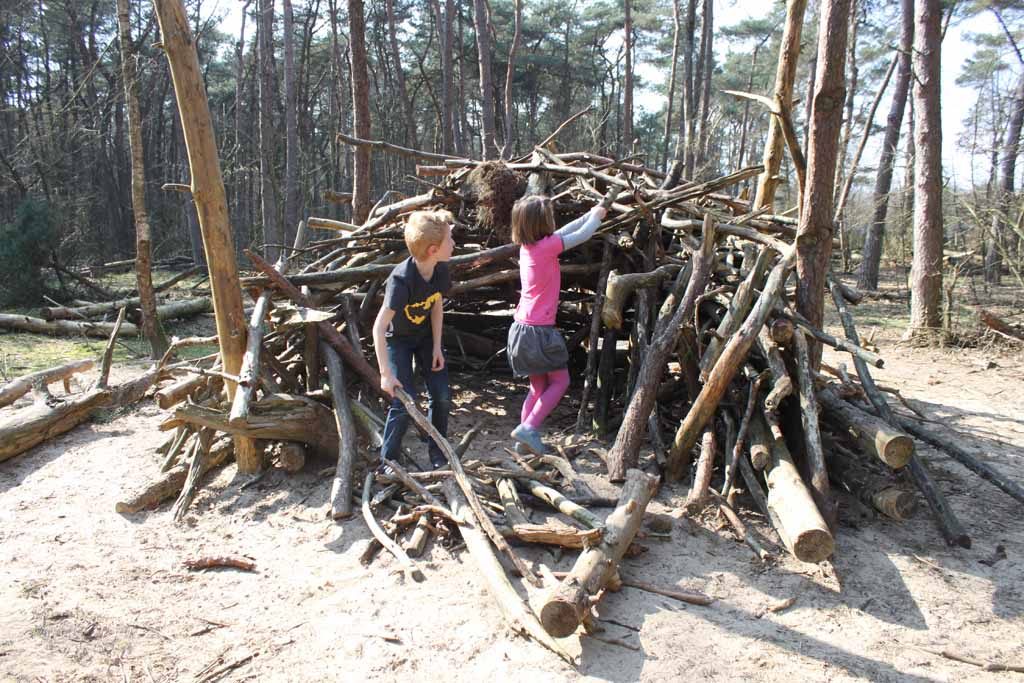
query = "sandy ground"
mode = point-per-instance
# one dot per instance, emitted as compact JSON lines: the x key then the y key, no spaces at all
{"x":87,"y":594}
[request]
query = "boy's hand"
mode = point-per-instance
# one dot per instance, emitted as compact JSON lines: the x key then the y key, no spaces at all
{"x":389,"y":383}
{"x":438,"y":361}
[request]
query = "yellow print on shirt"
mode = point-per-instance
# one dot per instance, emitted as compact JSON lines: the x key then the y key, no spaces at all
{"x":422,"y":305}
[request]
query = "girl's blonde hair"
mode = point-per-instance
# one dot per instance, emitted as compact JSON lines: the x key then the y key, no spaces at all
{"x":533,"y":219}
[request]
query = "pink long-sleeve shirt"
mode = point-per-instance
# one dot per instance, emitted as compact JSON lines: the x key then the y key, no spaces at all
{"x":541,"y":280}
{"x":540,"y":274}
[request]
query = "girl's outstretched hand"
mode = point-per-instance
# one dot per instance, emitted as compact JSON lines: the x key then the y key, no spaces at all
{"x":609,"y":197}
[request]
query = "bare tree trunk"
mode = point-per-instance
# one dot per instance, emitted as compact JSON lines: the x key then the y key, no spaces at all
{"x":814,"y":233}
{"x":671,"y":81}
{"x":627,"y":93}
{"x":507,"y":149}
{"x":151,"y":327}
{"x":844,"y":145}
{"x":872,"y":254}
{"x":268,"y":202}
{"x":483,"y":47}
{"x":442,"y":22}
{"x":460,"y":137}
{"x":291,"y":135}
{"x":746,"y":108}
{"x":361,"y":172}
{"x":396,"y":60}
{"x":209,"y":195}
{"x":1004,"y":193}
{"x":687,"y":103}
{"x":708,"y":60}
{"x":926,"y":273}
{"x":785,"y":75}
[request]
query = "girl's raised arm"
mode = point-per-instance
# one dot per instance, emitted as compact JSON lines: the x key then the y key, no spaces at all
{"x":582,"y":229}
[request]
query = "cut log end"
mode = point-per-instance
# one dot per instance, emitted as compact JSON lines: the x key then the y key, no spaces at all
{"x":813,"y":545}
{"x":895,"y":503}
{"x":564,"y":612}
{"x":894,"y":449}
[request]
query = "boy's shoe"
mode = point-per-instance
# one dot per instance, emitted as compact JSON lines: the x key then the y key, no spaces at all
{"x":529,"y":438}
{"x":384,"y":469}
{"x":438,"y":464}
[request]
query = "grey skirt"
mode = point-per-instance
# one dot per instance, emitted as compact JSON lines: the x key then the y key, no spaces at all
{"x":536,"y":349}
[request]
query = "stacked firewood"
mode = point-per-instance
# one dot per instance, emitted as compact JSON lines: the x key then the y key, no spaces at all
{"x":690,"y":359}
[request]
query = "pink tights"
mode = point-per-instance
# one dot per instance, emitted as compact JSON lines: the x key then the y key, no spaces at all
{"x":546,"y":390}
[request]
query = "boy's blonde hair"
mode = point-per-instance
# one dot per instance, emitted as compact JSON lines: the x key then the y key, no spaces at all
{"x":425,"y":229}
{"x":533,"y":219}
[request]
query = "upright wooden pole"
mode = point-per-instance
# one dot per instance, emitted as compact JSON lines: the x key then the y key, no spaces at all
{"x":208,"y":194}
{"x":785,"y":75}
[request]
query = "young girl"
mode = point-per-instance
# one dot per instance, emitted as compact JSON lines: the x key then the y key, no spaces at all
{"x":536,"y":348}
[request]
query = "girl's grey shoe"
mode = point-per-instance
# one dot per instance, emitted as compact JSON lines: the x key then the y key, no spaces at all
{"x":529,"y":439}
{"x":523,"y":450}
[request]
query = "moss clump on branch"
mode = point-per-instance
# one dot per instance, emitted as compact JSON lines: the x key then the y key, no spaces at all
{"x":494,"y":188}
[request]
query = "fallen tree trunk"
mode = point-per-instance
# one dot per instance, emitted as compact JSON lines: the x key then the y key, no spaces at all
{"x":986,"y":472}
{"x":870,"y":488}
{"x":19,"y":386}
{"x":66,"y":328}
{"x":952,"y":530}
{"x":805,"y":532}
{"x":341,"y":487}
{"x":23,"y":429}
{"x":874,"y":435}
{"x":277,"y":417}
{"x":170,"y":483}
{"x":184,"y":308}
{"x":517,"y":613}
{"x":569,"y":604}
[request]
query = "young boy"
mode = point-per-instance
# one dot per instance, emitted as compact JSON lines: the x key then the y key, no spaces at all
{"x":408,"y":326}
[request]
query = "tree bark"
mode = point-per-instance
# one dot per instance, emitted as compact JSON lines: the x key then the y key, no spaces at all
{"x":483,"y":47}
{"x":785,"y":75}
{"x":569,"y":604}
{"x":1004,"y":194}
{"x":443,"y":25}
{"x":341,"y":488}
{"x":871,"y":256}
{"x":272,"y":234}
{"x":291,"y":152}
{"x":624,"y":453}
{"x":800,"y":524}
{"x":396,"y":61}
{"x":508,"y":147}
{"x":361,"y":172}
{"x":19,"y":386}
{"x":926,"y":270}
{"x":676,"y":30}
{"x":814,"y":232}
{"x":627,"y":86}
{"x":209,"y":196}
{"x":516,"y":612}
{"x":151,"y":327}
{"x":23,"y":429}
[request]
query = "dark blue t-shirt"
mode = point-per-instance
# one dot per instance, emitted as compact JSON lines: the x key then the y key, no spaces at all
{"x":411,"y":297}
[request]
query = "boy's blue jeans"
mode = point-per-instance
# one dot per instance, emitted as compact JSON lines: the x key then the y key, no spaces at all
{"x":401,"y":352}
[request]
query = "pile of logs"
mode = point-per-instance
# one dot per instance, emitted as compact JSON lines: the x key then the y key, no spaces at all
{"x":687,"y":354}
{"x":93,"y":318}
